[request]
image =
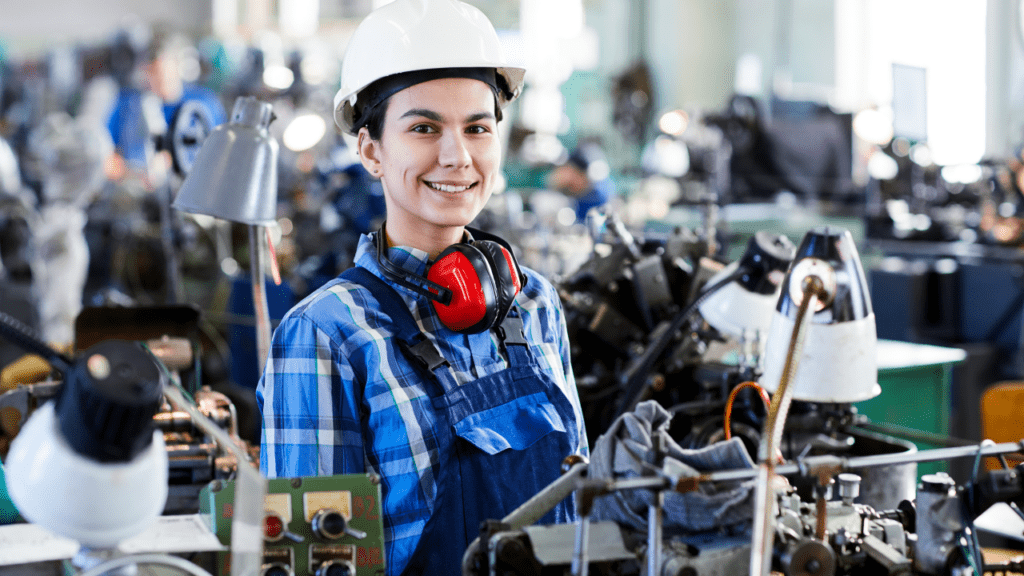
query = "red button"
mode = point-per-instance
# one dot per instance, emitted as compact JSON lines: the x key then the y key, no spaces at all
{"x":273,"y":527}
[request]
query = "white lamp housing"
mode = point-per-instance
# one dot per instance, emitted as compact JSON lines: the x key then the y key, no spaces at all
{"x":97,"y":504}
{"x":91,"y":465}
{"x":734,"y":309}
{"x":838,"y":361}
{"x":748,"y":303}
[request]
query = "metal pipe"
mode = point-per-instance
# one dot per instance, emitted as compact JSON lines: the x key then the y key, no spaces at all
{"x":538,"y":505}
{"x":259,"y":296}
{"x":580,"y":560}
{"x":872,"y":461}
{"x":821,"y":509}
{"x":654,"y":530}
{"x":771,"y":440}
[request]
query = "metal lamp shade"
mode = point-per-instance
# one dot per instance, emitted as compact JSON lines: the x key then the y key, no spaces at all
{"x":234,"y":176}
{"x":734,"y":310}
{"x":748,"y":303}
{"x":838,"y":362}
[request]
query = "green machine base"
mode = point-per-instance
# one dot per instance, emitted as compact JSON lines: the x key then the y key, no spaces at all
{"x":315,"y":526}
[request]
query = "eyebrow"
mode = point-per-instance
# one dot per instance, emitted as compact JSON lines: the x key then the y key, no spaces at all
{"x":431,"y":115}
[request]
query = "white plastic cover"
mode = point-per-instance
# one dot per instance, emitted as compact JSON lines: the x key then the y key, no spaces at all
{"x":98,"y":504}
{"x":839,"y":362}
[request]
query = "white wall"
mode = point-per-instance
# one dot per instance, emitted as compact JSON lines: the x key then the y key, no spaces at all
{"x":29,"y":27}
{"x":1004,"y":78}
{"x":691,"y":48}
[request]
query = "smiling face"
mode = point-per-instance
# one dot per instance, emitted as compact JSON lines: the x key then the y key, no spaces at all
{"x":438,"y":159}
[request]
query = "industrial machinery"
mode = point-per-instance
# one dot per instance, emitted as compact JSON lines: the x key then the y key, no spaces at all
{"x":931,"y":534}
{"x":632,"y":312}
{"x":646,"y":324}
{"x":194,"y":458}
{"x":322,"y":526}
{"x":660,"y":319}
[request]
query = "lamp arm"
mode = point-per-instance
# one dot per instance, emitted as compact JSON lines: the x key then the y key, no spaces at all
{"x":634,"y":379}
{"x":771,"y":438}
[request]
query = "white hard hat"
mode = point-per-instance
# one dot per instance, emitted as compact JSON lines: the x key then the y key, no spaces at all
{"x":409,"y":35}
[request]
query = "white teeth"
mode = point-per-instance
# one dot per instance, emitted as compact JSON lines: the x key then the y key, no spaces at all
{"x":447,"y":188}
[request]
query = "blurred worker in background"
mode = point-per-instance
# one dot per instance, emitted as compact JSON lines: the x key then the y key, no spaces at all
{"x":436,"y":362}
{"x":586,"y":177}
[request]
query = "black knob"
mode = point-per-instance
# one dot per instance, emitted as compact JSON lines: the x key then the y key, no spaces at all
{"x":329,"y":524}
{"x":765,"y":261}
{"x":335,"y":568}
{"x":107,"y":402}
{"x":276,"y":569}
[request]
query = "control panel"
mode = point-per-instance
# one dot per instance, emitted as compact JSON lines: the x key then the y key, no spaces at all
{"x":313,"y":526}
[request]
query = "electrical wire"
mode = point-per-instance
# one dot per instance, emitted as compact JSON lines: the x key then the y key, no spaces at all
{"x":139,"y":559}
{"x":25,"y":337}
{"x":969,"y":535}
{"x":732,"y":398}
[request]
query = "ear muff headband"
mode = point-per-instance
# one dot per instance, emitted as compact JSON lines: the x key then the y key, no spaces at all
{"x":414,"y":282}
{"x":506,"y":276}
{"x":472,"y":286}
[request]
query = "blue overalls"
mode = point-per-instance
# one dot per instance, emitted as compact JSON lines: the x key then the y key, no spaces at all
{"x":503,"y":436}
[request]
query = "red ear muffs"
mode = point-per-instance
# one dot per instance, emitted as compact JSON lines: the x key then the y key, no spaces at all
{"x":484,"y":279}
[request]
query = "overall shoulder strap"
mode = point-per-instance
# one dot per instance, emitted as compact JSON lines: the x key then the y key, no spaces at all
{"x":403,"y":324}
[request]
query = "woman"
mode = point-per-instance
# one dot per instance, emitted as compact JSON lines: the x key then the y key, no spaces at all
{"x":461,"y":399}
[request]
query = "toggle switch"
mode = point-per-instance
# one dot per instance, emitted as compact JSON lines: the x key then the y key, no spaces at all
{"x":330,"y":524}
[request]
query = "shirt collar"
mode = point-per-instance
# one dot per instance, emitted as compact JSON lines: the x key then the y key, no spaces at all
{"x":405,"y":257}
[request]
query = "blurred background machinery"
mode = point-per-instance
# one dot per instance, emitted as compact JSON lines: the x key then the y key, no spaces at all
{"x":664,"y":162}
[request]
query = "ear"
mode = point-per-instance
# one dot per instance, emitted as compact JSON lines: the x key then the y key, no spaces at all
{"x":369,"y":150}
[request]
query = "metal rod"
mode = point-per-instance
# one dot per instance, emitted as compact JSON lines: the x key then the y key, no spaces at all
{"x":858,"y":462}
{"x":538,"y":505}
{"x":942,"y":440}
{"x":580,"y":560}
{"x":168,"y":231}
{"x":259,"y":296}
{"x":654,"y":530}
{"x":250,"y":491}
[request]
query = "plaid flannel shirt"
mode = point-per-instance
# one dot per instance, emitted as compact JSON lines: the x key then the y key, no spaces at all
{"x":336,"y":399}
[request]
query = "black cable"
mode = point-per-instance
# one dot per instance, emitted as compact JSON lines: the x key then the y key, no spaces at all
{"x":635,"y":380}
{"x":20,"y":334}
{"x":970,"y":535}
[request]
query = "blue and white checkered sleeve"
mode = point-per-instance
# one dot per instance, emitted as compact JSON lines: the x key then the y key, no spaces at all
{"x":309,"y":405}
{"x":565,"y":351}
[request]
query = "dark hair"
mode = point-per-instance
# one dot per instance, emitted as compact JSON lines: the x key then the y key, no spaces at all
{"x":372,"y":105}
{"x":373,"y":119}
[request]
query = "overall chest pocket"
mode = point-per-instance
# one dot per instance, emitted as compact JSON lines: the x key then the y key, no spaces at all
{"x":514,"y":425}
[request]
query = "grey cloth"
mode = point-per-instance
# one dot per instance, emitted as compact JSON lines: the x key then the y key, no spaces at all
{"x":709,"y":507}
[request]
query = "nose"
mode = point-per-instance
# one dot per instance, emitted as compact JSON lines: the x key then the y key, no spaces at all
{"x":454,"y":152}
